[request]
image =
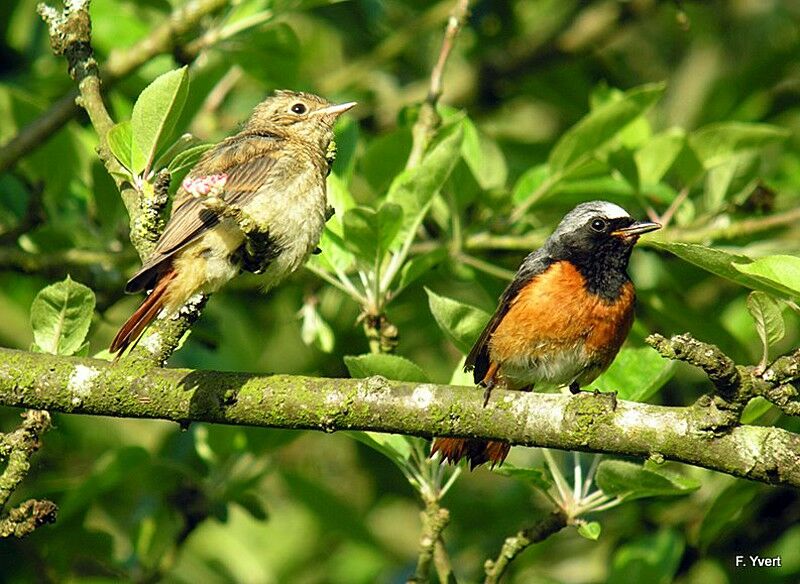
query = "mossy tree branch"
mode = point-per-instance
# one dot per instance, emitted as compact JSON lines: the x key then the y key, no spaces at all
{"x":70,"y":33}
{"x":586,"y":422}
{"x":16,"y":450}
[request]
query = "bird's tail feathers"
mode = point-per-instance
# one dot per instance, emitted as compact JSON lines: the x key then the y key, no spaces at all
{"x":476,"y":451}
{"x":132,"y":330}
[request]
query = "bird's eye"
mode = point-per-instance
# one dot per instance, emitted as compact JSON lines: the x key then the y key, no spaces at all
{"x":599,"y":225}
{"x":299,"y":108}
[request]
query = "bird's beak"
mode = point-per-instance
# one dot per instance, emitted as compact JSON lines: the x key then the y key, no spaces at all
{"x":637,"y":229}
{"x":335,"y":110}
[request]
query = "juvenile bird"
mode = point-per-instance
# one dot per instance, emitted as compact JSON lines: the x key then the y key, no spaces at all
{"x":256,"y":201}
{"x":562,"y":319}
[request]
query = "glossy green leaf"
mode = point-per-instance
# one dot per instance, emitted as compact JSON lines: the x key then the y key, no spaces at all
{"x":737,"y":267}
{"x":368,"y":233}
{"x":716,"y":143}
{"x":314,"y":330}
{"x":601,"y":125}
{"x":779,"y":271}
{"x":119,"y":139}
{"x":483,"y":157}
{"x":461,"y":323}
{"x":536,"y":477}
{"x":418,"y":266}
{"x":395,"y":447}
{"x":389,"y":366}
{"x":768,"y":318}
{"x":636,"y":374}
{"x":755,"y":408}
{"x":727,"y":510}
{"x":629,"y":481}
{"x":155,"y":115}
{"x":653,"y":559}
{"x":590,"y":530}
{"x":60,"y":316}
{"x":656,"y":157}
{"x":415,"y":188}
{"x":529,"y":182}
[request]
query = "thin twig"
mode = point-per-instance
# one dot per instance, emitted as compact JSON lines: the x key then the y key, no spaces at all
{"x":513,"y":546}
{"x":429,"y":120}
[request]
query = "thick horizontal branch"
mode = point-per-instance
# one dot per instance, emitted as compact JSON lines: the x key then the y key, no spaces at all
{"x":587,"y":422}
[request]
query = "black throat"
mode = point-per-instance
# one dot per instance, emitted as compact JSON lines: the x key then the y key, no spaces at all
{"x":603,"y":264}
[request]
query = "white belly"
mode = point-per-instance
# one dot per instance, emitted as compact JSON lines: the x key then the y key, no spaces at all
{"x":548,"y":372}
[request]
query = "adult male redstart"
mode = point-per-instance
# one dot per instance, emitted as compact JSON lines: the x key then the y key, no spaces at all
{"x":562,"y":319}
{"x":256,"y":201}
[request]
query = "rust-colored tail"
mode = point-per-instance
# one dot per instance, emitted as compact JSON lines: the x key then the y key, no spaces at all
{"x":132,"y":330}
{"x":476,"y":451}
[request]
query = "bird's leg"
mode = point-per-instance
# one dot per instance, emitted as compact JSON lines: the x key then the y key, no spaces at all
{"x":488,"y":382}
{"x":575,"y":387}
{"x":258,"y":250}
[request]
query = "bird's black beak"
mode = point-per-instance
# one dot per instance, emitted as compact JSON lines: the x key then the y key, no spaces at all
{"x":638,"y":228}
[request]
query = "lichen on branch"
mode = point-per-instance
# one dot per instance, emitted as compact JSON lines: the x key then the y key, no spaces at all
{"x":585,"y":422}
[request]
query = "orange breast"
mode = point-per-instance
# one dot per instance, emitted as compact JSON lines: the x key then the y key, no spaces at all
{"x":555,"y":314}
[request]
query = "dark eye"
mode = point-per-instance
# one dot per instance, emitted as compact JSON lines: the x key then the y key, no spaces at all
{"x":599,"y":225}
{"x":299,"y":108}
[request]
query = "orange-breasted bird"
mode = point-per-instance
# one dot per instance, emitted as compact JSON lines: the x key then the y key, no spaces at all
{"x":255,"y":201}
{"x":562,"y":319}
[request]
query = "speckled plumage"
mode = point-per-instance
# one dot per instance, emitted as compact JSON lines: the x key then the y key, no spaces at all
{"x":274,"y":172}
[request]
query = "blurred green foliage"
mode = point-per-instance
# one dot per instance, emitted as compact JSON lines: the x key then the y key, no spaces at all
{"x":547,"y":103}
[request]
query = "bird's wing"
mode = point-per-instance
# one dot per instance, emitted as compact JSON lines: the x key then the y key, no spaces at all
{"x":478,"y":358}
{"x":190,"y":218}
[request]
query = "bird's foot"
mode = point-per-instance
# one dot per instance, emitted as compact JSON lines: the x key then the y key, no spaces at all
{"x":258,"y":251}
{"x":488,"y":386}
{"x":574,"y":388}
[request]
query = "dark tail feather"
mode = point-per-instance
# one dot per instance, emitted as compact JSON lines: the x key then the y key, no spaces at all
{"x":132,"y":330}
{"x":476,"y":451}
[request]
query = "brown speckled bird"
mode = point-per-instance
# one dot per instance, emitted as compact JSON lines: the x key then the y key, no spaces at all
{"x":562,"y":319}
{"x":255,"y":201}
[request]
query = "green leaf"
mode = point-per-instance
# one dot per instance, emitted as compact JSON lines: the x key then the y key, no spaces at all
{"x":389,"y":366}
{"x":537,"y":477}
{"x":779,"y":271}
{"x":727,"y":510}
{"x":629,"y":481}
{"x":600,"y":126}
{"x":484,"y":158}
{"x":395,"y":447}
{"x":653,"y":559}
{"x":656,"y":157}
{"x":417,"y":266}
{"x":119,"y":139}
{"x":314,"y":330}
{"x":767,"y":315}
{"x":368,"y":233}
{"x":186,"y":159}
{"x":737,"y":268}
{"x":529,"y":182}
{"x":755,"y":408}
{"x":415,"y":188}
{"x":460,"y":322}
{"x":636,"y":374}
{"x":155,"y":115}
{"x":334,"y":250}
{"x":716,"y":143}
{"x":60,"y":316}
{"x":590,"y":530}
{"x":726,"y":179}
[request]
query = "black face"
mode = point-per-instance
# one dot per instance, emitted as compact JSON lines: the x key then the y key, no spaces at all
{"x":600,"y":252}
